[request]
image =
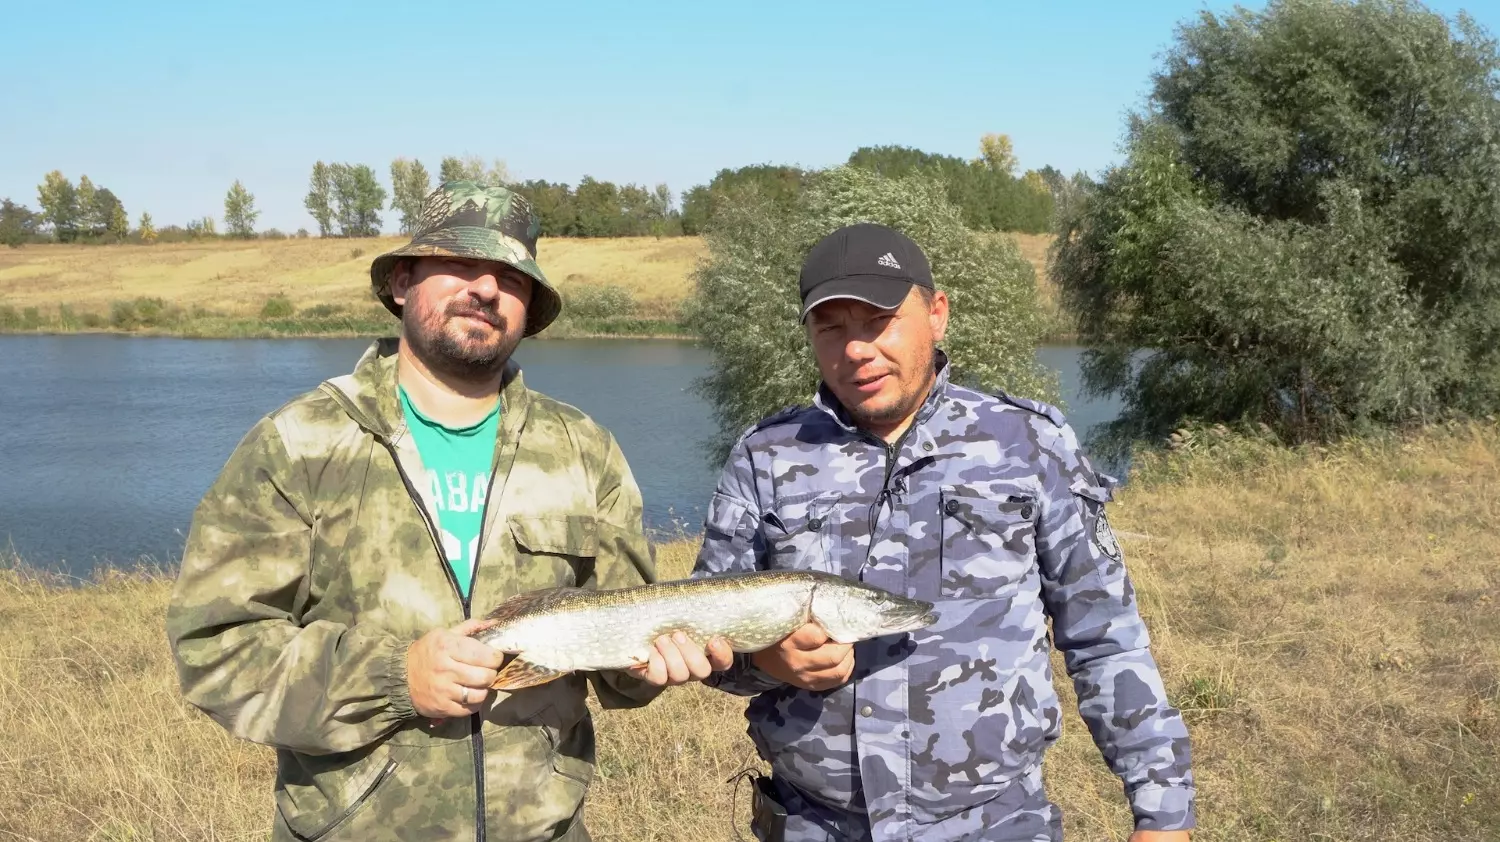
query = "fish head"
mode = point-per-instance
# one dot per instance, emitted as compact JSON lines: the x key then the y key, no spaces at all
{"x":852,"y":611}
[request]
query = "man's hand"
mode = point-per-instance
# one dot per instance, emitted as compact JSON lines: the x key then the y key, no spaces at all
{"x":1159,"y":836}
{"x":450,"y":673}
{"x":677,"y":660}
{"x":806,"y":658}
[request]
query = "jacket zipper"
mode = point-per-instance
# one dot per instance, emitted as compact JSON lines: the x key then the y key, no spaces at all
{"x":892,"y":450}
{"x":476,"y":722}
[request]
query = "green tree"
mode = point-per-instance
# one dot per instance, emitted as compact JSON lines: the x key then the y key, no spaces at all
{"x":985,"y":189}
{"x":745,"y":302}
{"x":410,"y":185}
{"x":319,"y":201}
{"x":239,"y":212}
{"x":554,"y":207}
{"x":400,"y":199}
{"x":997,"y":153}
{"x":118,"y":227}
{"x":661,"y":219}
{"x":418,"y":184}
{"x":18,"y":223}
{"x":779,"y":184}
{"x":106,"y":213}
{"x":358,"y":198}
{"x":1303,"y":231}
{"x":90,"y":220}
{"x":147,"y":229}
{"x":59,"y":201}
{"x":472,"y":168}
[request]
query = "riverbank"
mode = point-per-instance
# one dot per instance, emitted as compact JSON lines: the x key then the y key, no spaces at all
{"x":1327,"y":619}
{"x":627,"y":287}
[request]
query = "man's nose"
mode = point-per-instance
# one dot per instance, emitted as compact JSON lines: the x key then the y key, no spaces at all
{"x":859,"y":350}
{"x":485,"y":287}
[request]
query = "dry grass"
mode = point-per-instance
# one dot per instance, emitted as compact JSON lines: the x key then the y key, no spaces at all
{"x":1327,"y":620}
{"x":235,"y":278}
{"x":222,"y":285}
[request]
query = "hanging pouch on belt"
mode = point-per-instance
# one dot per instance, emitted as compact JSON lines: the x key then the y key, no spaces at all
{"x":767,"y":816}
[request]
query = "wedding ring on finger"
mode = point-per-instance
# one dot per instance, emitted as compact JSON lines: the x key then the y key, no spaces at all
{"x":463,"y":696}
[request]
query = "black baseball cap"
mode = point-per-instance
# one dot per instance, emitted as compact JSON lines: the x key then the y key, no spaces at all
{"x":866,"y":262}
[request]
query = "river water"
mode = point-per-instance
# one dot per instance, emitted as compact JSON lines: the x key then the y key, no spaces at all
{"x":108,"y":442}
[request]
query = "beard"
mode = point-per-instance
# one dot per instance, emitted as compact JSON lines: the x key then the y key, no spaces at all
{"x":903,"y":404}
{"x":460,"y":350}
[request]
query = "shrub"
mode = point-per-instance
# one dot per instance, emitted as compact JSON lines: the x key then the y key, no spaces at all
{"x":278,"y":307}
{"x":745,"y":303}
{"x":321,"y":311}
{"x":597,"y":302}
{"x":1302,"y":234}
{"x":122,"y":315}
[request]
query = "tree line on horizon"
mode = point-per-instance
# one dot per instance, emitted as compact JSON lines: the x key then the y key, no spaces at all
{"x":348,"y":199}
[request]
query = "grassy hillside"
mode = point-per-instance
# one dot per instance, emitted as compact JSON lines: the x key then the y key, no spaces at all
{"x":1327,"y":619}
{"x":627,"y":285}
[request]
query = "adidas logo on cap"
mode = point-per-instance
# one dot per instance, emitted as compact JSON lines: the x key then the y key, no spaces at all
{"x":888,"y":259}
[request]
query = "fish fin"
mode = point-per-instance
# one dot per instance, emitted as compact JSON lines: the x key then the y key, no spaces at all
{"x":521,"y":673}
{"x":523,"y":603}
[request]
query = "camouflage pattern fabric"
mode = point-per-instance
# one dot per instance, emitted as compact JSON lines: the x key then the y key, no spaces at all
{"x":990,"y":509}
{"x":310,"y":568}
{"x":479,"y":221}
{"x":1019,"y":812}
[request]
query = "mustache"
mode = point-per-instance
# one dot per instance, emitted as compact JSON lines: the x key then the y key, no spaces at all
{"x":487,"y":314}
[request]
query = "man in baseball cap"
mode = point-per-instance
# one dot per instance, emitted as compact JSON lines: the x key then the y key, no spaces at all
{"x":864,"y":262}
{"x":986,"y":506}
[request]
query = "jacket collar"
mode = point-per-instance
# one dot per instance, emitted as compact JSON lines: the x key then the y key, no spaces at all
{"x":826,"y":401}
{"x":369,"y":394}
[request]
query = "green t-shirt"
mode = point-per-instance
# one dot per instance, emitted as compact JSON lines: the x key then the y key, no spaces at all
{"x":458,"y":476}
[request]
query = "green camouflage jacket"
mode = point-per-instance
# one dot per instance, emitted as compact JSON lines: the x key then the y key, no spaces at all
{"x":311,"y":566}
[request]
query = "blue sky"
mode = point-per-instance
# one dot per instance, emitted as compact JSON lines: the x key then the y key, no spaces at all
{"x":166,"y":104}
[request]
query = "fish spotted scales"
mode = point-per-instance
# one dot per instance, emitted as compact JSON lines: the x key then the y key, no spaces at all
{"x":559,"y":630}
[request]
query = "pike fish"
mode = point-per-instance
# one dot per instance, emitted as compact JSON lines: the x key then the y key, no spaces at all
{"x":556,"y":631}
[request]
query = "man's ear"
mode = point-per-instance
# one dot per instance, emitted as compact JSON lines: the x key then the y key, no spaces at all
{"x":400,"y":281}
{"x":937,"y":315}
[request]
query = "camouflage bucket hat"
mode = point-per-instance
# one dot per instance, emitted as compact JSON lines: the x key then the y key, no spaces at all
{"x":478,"y":221}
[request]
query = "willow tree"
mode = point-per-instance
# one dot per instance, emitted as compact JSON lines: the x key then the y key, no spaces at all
{"x":745,"y":305}
{"x":1305,"y":232}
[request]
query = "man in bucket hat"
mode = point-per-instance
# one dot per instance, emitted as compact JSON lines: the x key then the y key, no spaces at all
{"x":334,"y":570}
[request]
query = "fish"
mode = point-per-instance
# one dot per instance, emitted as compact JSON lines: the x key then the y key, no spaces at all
{"x":556,"y":631}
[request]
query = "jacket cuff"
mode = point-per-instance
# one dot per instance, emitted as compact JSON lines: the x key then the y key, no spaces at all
{"x":1158,"y":807}
{"x":743,"y":678}
{"x":397,"y":690}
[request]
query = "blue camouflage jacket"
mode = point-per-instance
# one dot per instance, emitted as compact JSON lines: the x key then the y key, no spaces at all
{"x":988,"y":507}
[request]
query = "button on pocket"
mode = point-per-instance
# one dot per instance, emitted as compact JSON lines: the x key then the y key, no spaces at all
{"x":800,"y":533}
{"x":989,"y":541}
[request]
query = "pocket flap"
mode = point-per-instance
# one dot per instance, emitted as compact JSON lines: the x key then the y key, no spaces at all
{"x":563,"y":534}
{"x":725,"y":514}
{"x":1100,"y":494}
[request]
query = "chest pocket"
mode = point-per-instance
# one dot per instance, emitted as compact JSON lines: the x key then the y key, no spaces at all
{"x":801,"y":532}
{"x":561,"y":549}
{"x":989,"y":540}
